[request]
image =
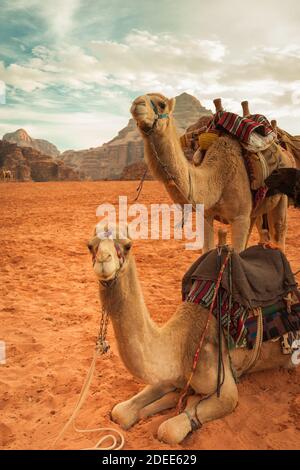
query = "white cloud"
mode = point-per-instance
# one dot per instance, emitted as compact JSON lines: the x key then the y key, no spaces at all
{"x":110,"y":71}
{"x":76,"y":130}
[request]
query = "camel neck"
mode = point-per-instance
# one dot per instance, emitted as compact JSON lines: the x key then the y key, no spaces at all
{"x":165,"y":157}
{"x":133,"y":327}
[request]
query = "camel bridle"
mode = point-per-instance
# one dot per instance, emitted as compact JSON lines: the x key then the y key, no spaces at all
{"x":158,"y":116}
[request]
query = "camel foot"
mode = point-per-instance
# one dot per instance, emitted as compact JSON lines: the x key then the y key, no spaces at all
{"x":124,"y":415}
{"x":175,"y":429}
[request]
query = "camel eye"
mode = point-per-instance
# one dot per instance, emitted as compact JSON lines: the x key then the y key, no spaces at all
{"x":162,"y":104}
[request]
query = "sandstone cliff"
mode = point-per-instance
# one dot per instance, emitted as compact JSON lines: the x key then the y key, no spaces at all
{"x":28,"y":164}
{"x":23,"y":139}
{"x":136,"y":171}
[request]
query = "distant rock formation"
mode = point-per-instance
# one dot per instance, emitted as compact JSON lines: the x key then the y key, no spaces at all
{"x":23,"y":139}
{"x":126,"y":149}
{"x":136,"y":171}
{"x":28,"y":164}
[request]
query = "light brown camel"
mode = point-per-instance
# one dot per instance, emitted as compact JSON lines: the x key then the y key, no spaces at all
{"x":221,"y":182}
{"x":161,"y":357}
{"x":6,"y":174}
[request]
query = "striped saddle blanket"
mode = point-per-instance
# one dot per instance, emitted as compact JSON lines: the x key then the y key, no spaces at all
{"x":257,"y":278}
{"x":240,"y":127}
{"x":240,"y":323}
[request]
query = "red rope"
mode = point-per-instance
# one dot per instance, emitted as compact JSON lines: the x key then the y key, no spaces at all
{"x":197,"y":353}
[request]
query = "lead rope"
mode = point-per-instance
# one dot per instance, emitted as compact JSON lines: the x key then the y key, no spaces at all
{"x":117,"y":440}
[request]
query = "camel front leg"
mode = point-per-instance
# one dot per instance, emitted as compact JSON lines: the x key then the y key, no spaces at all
{"x":277,"y":219}
{"x":127,"y":413}
{"x":200,"y":411}
{"x":168,"y":401}
{"x":174,"y":430}
{"x":240,"y":228}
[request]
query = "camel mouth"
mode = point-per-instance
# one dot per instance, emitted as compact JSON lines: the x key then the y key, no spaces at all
{"x":145,"y":126}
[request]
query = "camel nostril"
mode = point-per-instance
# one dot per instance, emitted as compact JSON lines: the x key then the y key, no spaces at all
{"x":104,"y":257}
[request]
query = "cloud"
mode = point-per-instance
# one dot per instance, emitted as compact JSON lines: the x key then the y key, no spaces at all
{"x":56,"y":14}
{"x":76,"y":130}
{"x":89,"y":58}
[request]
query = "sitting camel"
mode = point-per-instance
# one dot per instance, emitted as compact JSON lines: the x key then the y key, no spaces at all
{"x":162,"y":357}
{"x":221,"y":182}
{"x":286,"y":181}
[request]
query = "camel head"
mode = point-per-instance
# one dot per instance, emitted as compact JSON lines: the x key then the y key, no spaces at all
{"x":110,"y":251}
{"x":152,"y":112}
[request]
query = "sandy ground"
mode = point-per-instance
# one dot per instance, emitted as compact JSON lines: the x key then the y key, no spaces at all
{"x":49,"y":313}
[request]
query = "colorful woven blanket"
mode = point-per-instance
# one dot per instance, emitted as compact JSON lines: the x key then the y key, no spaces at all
{"x":239,"y":324}
{"x":241,"y":127}
{"x":233,"y":316}
{"x":258,"y":277}
{"x":276,"y":322}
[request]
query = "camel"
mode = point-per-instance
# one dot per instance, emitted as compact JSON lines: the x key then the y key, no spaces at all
{"x":161,"y":357}
{"x":221,"y":182}
{"x":6,"y":174}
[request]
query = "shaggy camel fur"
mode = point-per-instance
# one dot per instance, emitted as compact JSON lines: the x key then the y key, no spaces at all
{"x":161,"y":357}
{"x":221,"y":182}
{"x":286,"y":181}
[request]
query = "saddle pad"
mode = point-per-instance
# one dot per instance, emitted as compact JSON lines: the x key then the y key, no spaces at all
{"x":275,"y":324}
{"x":241,"y":127}
{"x":261,"y":164}
{"x":260,"y":276}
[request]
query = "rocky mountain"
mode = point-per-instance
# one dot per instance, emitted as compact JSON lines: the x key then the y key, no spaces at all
{"x":23,"y":139}
{"x":126,"y":149}
{"x":28,"y":164}
{"x":136,"y":171}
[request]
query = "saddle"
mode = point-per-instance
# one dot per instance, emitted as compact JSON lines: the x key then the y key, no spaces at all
{"x":263,"y":152}
{"x":258,"y":278}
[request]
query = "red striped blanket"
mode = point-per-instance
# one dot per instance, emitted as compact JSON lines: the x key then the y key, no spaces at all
{"x":241,"y":127}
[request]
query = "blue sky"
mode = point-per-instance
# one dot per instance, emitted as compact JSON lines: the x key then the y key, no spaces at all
{"x":72,"y":67}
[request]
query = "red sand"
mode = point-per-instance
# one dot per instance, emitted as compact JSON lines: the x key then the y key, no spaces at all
{"x":50,"y":317}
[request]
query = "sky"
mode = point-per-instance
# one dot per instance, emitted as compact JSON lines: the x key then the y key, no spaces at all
{"x":69,"y":69}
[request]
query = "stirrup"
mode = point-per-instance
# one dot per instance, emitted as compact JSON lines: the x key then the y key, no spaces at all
{"x":195,"y":423}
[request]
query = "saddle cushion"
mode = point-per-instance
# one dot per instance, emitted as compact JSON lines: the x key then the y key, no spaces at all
{"x":260,"y":276}
{"x":261,"y":164}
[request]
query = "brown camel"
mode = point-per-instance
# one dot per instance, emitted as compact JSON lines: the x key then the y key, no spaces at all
{"x":161,"y":357}
{"x":221,"y":182}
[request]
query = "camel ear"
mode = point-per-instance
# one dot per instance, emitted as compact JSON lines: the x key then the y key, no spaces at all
{"x":172,"y":103}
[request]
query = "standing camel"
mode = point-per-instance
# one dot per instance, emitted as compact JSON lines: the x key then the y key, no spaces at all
{"x":162,"y":357}
{"x":221,"y":182}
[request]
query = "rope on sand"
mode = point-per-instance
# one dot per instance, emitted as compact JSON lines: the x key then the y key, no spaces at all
{"x":114,"y":435}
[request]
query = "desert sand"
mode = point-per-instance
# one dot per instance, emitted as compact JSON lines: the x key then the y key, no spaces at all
{"x":49,"y":314}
